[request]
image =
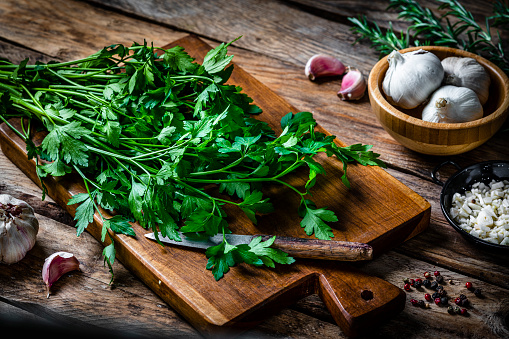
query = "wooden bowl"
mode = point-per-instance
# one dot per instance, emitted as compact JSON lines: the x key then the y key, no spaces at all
{"x":434,"y":138}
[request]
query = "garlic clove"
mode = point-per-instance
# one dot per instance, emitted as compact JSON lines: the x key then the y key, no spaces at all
{"x":57,"y":265}
{"x":353,"y":85}
{"x":321,"y":65}
{"x":467,"y":72}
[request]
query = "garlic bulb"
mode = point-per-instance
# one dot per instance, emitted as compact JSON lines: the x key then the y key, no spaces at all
{"x":467,"y":72}
{"x":353,"y":85}
{"x":412,"y":77}
{"x":18,"y":229}
{"x":56,"y":265}
{"x":321,"y":65}
{"x":451,"y":104}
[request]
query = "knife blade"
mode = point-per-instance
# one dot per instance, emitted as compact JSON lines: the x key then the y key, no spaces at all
{"x":296,"y":247}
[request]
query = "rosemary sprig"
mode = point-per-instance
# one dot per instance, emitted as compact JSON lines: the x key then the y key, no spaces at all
{"x":382,"y":42}
{"x":501,"y":14}
{"x":455,"y":28}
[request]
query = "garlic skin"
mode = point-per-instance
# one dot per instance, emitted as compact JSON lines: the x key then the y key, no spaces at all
{"x":451,"y":104}
{"x":321,"y":65}
{"x":57,"y":265}
{"x":18,"y":229}
{"x":412,"y":77}
{"x":467,"y":72}
{"x":353,"y":85}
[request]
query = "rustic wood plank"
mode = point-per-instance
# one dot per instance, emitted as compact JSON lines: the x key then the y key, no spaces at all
{"x":260,"y":23}
{"x":67,"y":24}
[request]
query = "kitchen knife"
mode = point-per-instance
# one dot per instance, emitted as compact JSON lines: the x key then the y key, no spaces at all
{"x":296,"y":247}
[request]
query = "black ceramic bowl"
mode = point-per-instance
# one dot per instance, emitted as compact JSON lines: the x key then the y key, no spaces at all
{"x":462,"y":181}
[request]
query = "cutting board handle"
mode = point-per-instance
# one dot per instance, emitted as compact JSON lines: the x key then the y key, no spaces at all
{"x":356,"y":300}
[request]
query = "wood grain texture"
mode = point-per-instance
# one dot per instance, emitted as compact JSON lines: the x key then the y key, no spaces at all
{"x":407,"y":127}
{"x":183,"y":287}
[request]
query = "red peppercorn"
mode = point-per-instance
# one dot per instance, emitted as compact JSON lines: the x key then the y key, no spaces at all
{"x":412,"y":282}
{"x":468,"y":285}
{"x":427,"y":296}
{"x":418,"y":280}
{"x":406,"y":287}
{"x":414,"y":302}
{"x":437,"y":301}
{"x":427,"y":275}
{"x":436,"y":273}
{"x":463,"y":311}
{"x":457,"y":301}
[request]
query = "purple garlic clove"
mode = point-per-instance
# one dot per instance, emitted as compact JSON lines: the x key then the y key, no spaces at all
{"x":353,"y":85}
{"x":57,"y":265}
{"x":321,"y":65}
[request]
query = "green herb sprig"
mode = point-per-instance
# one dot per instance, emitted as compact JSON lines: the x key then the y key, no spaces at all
{"x":456,"y":28}
{"x":149,"y":129}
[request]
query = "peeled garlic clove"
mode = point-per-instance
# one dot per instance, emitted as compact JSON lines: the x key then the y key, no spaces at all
{"x":57,"y":265}
{"x":353,"y":85}
{"x":451,"y":104}
{"x":321,"y":65}
{"x":467,"y":72}
{"x":412,"y":77}
{"x":18,"y":229}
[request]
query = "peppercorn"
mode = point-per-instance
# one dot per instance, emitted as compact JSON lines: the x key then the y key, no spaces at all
{"x":417,"y":283}
{"x":414,"y":302}
{"x":463,"y":311}
{"x":421,"y":303}
{"x":442,"y":292}
{"x":440,"y":279}
{"x":450,"y":310}
{"x":426,"y":305}
{"x":439,"y":288}
{"x":435,"y":295}
{"x":406,"y":287}
{"x":457,"y":309}
{"x":462,"y":296}
{"x":478,"y":292}
{"x":451,"y":282}
{"x":437,"y":301}
{"x":427,"y":275}
{"x":468,"y":285}
{"x":433,"y":285}
{"x":411,"y":282}
{"x":444,"y":300}
{"x":458,"y":301}
{"x":437,"y":273}
{"x":426,"y":283}
{"x":427,"y":296}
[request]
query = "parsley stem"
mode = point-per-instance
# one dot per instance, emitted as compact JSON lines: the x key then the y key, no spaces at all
{"x":12,"y":128}
{"x":233,"y":164}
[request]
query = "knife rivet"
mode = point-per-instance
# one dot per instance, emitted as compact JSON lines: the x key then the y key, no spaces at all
{"x":367,"y":295}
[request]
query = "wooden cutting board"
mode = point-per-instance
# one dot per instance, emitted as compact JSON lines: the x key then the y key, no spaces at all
{"x":377,"y":209}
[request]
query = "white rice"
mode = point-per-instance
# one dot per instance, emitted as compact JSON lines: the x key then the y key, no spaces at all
{"x":484,"y":211}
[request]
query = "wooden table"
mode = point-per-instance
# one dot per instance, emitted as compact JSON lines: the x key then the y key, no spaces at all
{"x":278,"y":38}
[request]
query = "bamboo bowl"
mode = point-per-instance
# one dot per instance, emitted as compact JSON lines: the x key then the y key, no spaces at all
{"x":406,"y":126}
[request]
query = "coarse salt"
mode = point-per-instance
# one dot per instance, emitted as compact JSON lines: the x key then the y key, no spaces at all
{"x":484,"y":211}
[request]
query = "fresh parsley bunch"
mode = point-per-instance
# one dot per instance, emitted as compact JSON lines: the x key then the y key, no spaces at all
{"x":149,"y":129}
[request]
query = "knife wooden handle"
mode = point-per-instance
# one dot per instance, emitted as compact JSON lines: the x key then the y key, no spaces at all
{"x":323,"y":249}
